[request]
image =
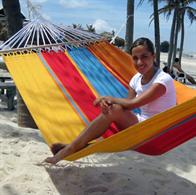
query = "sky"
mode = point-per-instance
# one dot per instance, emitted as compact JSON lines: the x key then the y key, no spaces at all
{"x":108,"y":15}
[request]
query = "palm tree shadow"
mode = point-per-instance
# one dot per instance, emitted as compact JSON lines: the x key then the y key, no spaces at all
{"x":9,"y":131}
{"x":116,"y":177}
{"x":9,"y":189}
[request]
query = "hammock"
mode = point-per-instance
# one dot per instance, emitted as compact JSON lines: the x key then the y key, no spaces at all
{"x":60,"y":82}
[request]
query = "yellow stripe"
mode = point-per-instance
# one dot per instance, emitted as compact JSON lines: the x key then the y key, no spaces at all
{"x":51,"y":111}
{"x":140,"y":132}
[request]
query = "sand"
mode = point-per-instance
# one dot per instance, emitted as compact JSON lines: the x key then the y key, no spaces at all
{"x":127,"y":173}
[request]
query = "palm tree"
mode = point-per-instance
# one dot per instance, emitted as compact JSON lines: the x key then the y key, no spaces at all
{"x":90,"y":28}
{"x":176,"y":31}
{"x":182,"y":34}
{"x":191,"y":13}
{"x":168,"y":8}
{"x":12,"y":11}
{"x":129,"y":25}
{"x":15,"y":23}
{"x":179,"y":8}
{"x":156,"y":31}
{"x":77,"y":26}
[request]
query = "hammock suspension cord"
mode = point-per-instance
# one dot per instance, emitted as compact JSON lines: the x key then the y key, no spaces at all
{"x":40,"y":33}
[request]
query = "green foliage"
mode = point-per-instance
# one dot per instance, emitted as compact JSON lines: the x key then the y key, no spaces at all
{"x":77,"y":26}
{"x":164,"y":46}
{"x":107,"y":35}
{"x":90,"y":28}
{"x":119,"y":42}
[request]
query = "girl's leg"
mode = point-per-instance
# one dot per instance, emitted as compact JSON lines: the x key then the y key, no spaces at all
{"x":122,"y":118}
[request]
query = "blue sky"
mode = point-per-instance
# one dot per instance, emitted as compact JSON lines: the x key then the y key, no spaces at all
{"x":108,"y":15}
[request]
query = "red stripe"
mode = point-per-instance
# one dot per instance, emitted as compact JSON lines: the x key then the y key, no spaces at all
{"x":170,"y":139}
{"x":74,"y":83}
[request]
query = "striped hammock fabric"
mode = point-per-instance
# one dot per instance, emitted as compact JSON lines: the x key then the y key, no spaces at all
{"x":59,"y":88}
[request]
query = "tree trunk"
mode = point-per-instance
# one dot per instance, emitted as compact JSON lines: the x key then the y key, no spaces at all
{"x":129,"y":25}
{"x":171,"y":44}
{"x":177,"y":26}
{"x":15,"y":23}
{"x":12,"y":12}
{"x":156,"y":32}
{"x":24,"y":117}
{"x":182,"y":37}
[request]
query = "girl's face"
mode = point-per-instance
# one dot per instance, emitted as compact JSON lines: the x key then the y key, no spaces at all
{"x":143,"y":59}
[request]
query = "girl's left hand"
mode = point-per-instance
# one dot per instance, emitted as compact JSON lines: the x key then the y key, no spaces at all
{"x":105,"y":103}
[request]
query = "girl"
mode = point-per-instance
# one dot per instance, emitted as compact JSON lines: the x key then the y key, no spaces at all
{"x":151,"y":89}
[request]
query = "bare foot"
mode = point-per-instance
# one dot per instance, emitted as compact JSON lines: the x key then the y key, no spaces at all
{"x":51,"y":160}
{"x":55,"y":148}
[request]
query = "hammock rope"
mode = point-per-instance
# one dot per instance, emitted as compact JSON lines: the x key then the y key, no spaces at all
{"x":40,"y":33}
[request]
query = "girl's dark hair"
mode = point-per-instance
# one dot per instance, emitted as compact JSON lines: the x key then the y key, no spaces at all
{"x":144,"y":42}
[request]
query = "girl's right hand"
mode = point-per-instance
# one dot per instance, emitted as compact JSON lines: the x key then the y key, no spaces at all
{"x":104,"y":103}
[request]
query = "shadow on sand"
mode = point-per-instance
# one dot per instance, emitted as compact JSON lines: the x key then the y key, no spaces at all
{"x":120,"y":175}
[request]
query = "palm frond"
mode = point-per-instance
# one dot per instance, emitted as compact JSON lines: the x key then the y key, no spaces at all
{"x":140,"y":3}
{"x":191,"y":15}
{"x":166,"y":10}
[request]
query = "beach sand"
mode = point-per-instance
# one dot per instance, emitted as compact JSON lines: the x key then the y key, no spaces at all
{"x":127,"y":173}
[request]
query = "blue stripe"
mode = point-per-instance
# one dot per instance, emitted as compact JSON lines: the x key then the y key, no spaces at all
{"x":62,"y":88}
{"x":101,"y":79}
